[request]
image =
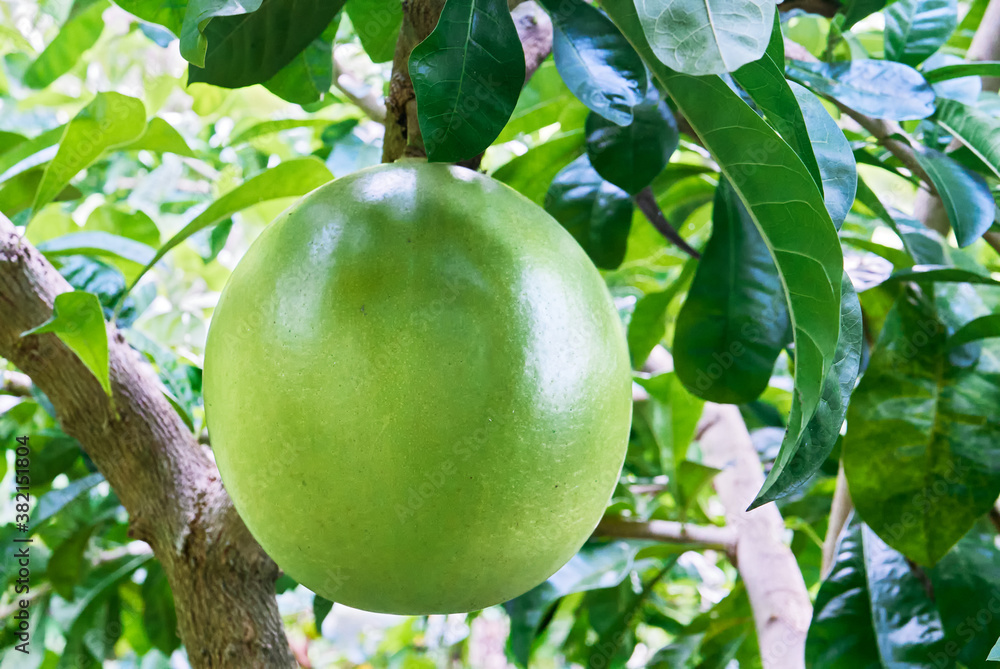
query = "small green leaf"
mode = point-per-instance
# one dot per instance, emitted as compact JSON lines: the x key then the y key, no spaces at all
{"x":915,"y":29}
{"x":269,"y":127}
{"x":77,"y":319}
{"x":648,"y":324}
{"x":878,"y":88}
{"x":673,"y":415}
{"x":986,"y":68}
{"x":98,"y":244}
{"x":984,"y":327}
{"x":706,"y":36}
{"x":596,"y":62}
{"x":531,"y":173}
{"x":966,"y":195}
{"x":976,"y":129}
{"x":630,"y":157}
{"x":20,"y":151}
{"x":376,"y":23}
{"x":55,"y":501}
{"x":170,"y":15}
{"x":597,"y":213}
{"x":80,"y":32}
{"x":467,"y":76}
{"x":321,"y":609}
{"x":109,"y":121}
{"x":160,"y":137}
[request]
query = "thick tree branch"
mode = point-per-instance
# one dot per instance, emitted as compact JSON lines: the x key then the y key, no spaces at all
{"x":699,"y":537}
{"x":223,"y":583}
{"x":774,"y":584}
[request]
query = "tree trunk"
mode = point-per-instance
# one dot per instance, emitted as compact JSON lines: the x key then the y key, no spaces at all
{"x":223,"y":582}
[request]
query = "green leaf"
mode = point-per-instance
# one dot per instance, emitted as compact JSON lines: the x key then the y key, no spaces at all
{"x":985,"y":68}
{"x":99,"y":244}
{"x":321,"y":609}
{"x":159,"y":614}
{"x":544,"y":100}
{"x":976,"y":129}
{"x":943,"y":273}
{"x":966,"y":195}
{"x":160,"y":137}
{"x":65,"y":566}
{"x":855,"y":10}
{"x":764,"y":80}
{"x":269,"y":127}
{"x":55,"y":501}
{"x":531,"y":173}
{"x":77,"y":319}
{"x":135,"y":225}
{"x":877,"y":88}
{"x":915,"y":29}
{"x":595,"y":61}
{"x":286,"y":179}
{"x":307,"y":79}
{"x":597,"y":213}
{"x":673,"y":414}
{"x":815,"y":446}
{"x":648,"y":324}
{"x":80,"y":32}
{"x":466,"y":76}
{"x":984,"y":327}
{"x":922,"y":452}
{"x":630,"y":157}
{"x":21,"y":151}
{"x":376,"y":23}
{"x":170,"y":15}
{"x":197,"y":16}
{"x":794,"y":221}
{"x":734,"y":322}
{"x":246,"y":49}
{"x":706,"y":36}
{"x":837,"y":167}
{"x":110,"y":120}
{"x":18,"y":192}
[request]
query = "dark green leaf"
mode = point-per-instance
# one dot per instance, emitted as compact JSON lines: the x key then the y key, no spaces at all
{"x":648,"y":324}
{"x":55,"y":501}
{"x":630,"y":157}
{"x":321,"y":608}
{"x":376,"y":23}
{"x":984,"y":327}
{"x":734,"y":322}
{"x":159,"y":615}
{"x":927,"y":273}
{"x":77,"y":319}
{"x":597,"y":213}
{"x":823,"y":430}
{"x":197,"y":16}
{"x":706,"y":36}
{"x":965,"y":194}
{"x":307,"y":79}
{"x":466,"y":76}
{"x":65,"y":566}
{"x":922,"y":452}
{"x":976,"y":129}
{"x":915,"y":29}
{"x":877,"y":88}
{"x":975,"y":69}
{"x":79,"y":33}
{"x":595,"y":61}
{"x":251,"y":48}
{"x":855,"y":10}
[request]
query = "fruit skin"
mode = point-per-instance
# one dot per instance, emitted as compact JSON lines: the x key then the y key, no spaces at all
{"x":418,"y":391}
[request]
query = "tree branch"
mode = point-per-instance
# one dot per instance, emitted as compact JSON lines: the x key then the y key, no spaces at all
{"x":840,"y":509}
{"x":223,"y":582}
{"x":668,"y":531}
{"x":345,"y":82}
{"x":15,"y":383}
{"x":646,"y":202}
{"x":774,"y":584}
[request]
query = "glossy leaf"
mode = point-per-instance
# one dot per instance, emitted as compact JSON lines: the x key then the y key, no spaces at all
{"x":77,"y":319}
{"x":110,"y":120}
{"x":915,"y":29}
{"x":706,"y":36}
{"x":198,"y":14}
{"x":734,"y":321}
{"x":307,"y":79}
{"x":597,"y":213}
{"x":80,"y":32}
{"x":984,"y":327}
{"x":922,"y":452}
{"x":837,"y":167}
{"x":376,"y":23}
{"x":287,"y":179}
{"x":764,"y":80}
{"x":820,"y":438}
{"x":630,"y":157}
{"x":160,"y":137}
{"x":877,"y":88}
{"x":597,"y":63}
{"x":974,"y":69}
{"x":796,"y":225}
{"x":466,"y":76}
{"x":251,"y":48}
{"x":855,"y":10}
{"x":170,"y":15}
{"x":976,"y":129}
{"x":965,"y":195}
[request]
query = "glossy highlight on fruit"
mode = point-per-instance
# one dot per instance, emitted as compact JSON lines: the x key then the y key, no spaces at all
{"x":418,"y":391}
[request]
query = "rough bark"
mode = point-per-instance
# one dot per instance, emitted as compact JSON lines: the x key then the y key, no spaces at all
{"x":775,"y":587}
{"x":223,"y":582}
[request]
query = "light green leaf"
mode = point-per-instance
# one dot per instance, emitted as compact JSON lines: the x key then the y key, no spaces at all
{"x":673,"y":416}
{"x":648,"y":324}
{"x":376,"y":23}
{"x":79,"y":33}
{"x":55,"y":501}
{"x":98,"y":244}
{"x":915,"y":29}
{"x":110,"y":120}
{"x":531,"y":173}
{"x":269,"y":127}
{"x":976,"y":129}
{"x":160,"y":137}
{"x":466,"y":76}
{"x":965,"y":194}
{"x":21,"y":151}
{"x":287,"y":179}
{"x":78,"y":320}
{"x":793,"y":219}
{"x":706,"y":36}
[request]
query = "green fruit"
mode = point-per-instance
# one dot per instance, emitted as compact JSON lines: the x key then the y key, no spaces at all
{"x":418,"y":391}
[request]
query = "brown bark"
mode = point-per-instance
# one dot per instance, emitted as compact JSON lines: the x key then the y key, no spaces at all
{"x":699,"y":537}
{"x":223,"y":582}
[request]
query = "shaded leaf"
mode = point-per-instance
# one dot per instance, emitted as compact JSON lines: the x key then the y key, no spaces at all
{"x":984,"y":327}
{"x":376,"y":24}
{"x":466,"y":77}
{"x":877,"y":88}
{"x":321,"y":609}
{"x":965,"y":195}
{"x":198,"y":14}
{"x":307,"y":79}
{"x":989,"y":68}
{"x":915,"y":29}
{"x":170,"y":15}
{"x":976,"y":129}
{"x":55,"y":501}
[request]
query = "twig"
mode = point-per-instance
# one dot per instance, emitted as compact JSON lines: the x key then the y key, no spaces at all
{"x":646,"y":202}
{"x":371,"y":104}
{"x":668,"y":531}
{"x":16,"y":384}
{"x":840,"y":509}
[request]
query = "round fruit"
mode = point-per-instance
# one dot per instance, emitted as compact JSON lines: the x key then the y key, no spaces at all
{"x":418,"y":391}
